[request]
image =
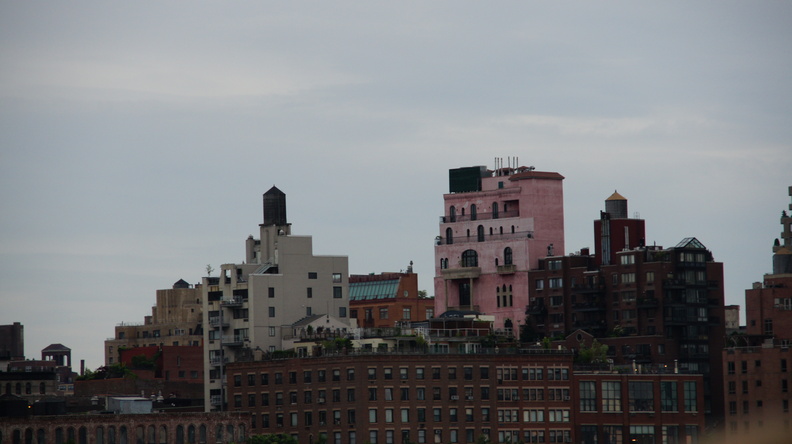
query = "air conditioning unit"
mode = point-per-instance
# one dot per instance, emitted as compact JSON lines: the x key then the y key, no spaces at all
{"x":455,"y":398}
{"x":566,"y":398}
{"x":469,"y":398}
{"x":321,"y":400}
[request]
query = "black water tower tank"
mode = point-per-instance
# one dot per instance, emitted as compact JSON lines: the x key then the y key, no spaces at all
{"x":274,"y":207}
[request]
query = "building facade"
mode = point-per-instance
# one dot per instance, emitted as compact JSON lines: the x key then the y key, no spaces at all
{"x":205,"y":428}
{"x":650,"y":305}
{"x":176,"y":320}
{"x":250,"y":306}
{"x":534,"y":396}
{"x":495,"y":227}
{"x":382,"y":300}
{"x":757,"y":363}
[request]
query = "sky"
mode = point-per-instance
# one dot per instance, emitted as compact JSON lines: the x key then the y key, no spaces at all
{"x":137,"y":138}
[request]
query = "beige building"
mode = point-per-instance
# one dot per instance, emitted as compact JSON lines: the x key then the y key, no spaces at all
{"x":175,"y":320}
{"x":249,"y":306}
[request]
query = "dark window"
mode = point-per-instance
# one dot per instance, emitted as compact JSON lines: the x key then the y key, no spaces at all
{"x":480,"y":233}
{"x":449,"y":236}
{"x":469,"y":258}
{"x":495,"y":210}
{"x":507,"y":256}
{"x":271,"y":292}
{"x":311,"y":275}
{"x":473,"y":212}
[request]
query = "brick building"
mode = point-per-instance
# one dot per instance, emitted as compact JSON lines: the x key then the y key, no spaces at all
{"x":650,"y":305}
{"x":534,"y":396}
{"x":381,"y":300}
{"x":757,"y":363}
{"x":209,"y":428}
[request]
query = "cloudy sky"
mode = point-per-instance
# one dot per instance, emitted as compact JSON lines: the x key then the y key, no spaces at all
{"x":136,"y":139}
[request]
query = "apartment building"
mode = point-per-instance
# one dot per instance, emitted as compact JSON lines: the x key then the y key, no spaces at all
{"x":649,"y":304}
{"x":527,"y":396}
{"x":175,"y":320}
{"x":495,"y":226}
{"x":251,"y":308}
{"x":757,"y":363}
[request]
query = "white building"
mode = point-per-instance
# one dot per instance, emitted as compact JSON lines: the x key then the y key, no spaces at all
{"x":248,"y":306}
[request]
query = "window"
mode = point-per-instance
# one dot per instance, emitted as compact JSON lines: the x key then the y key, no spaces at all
{"x":611,"y":396}
{"x":372,"y":416}
{"x":383,"y":313}
{"x":556,"y":282}
{"x":271,"y":292}
{"x":641,"y":396}
{"x":668,"y":396}
{"x":480,"y":233}
{"x":469,"y":258}
{"x":336,"y":278}
{"x":312,"y":275}
{"x":271,"y":311}
{"x":540,"y":284}
{"x":507,"y":256}
{"x":588,"y":396}
{"x":650,"y":276}
{"x":449,"y":237}
{"x":309,"y":292}
{"x":628,"y":278}
{"x":337,"y":294}
{"x":690,"y":396}
{"x":406,"y":313}
{"x":627,"y":259}
{"x":342,"y":312}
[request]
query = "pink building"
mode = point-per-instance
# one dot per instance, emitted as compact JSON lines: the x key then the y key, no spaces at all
{"x":496,"y":225}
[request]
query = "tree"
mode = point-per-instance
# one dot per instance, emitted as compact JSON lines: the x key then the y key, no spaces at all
{"x":595,"y":354}
{"x":280,"y":438}
{"x":423,"y":294}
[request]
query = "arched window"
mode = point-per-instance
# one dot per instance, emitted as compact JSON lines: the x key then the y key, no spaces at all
{"x":501,"y":230}
{"x":122,"y":435}
{"x":59,"y":438}
{"x":496,"y":262}
{"x":507,"y":256}
{"x":469,"y":258}
{"x":42,"y":388}
{"x":28,"y":388}
{"x":82,"y":435}
{"x":18,"y":388}
{"x":100,"y":435}
{"x":473,"y":212}
{"x":468,"y":232}
{"x":8,"y":388}
{"x":512,"y":229}
{"x":463,"y":211}
{"x":111,"y":435}
{"x":490,"y":231}
{"x":191,"y":434}
{"x":163,"y":436}
{"x":202,"y":433}
{"x":41,"y":436}
{"x":452,"y":213}
{"x":480,"y":231}
{"x":497,"y":296}
{"x":495,"y":210}
{"x":179,"y":434}
{"x":449,"y":236}
{"x":152,"y":434}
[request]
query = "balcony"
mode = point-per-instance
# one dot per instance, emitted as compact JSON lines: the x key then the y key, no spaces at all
{"x":217,"y":362}
{"x":215,"y":322}
{"x":507,"y":269}
{"x":235,"y":341}
{"x":236,"y":301}
{"x":585,"y":288}
{"x":536,"y":310}
{"x":588,"y":306}
{"x":674,"y":283}
{"x":473,"y":238}
{"x":647,"y":302}
{"x":478,"y":216}
{"x":461,"y":273}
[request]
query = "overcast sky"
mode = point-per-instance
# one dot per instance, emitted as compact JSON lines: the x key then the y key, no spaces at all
{"x":136,"y":139}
